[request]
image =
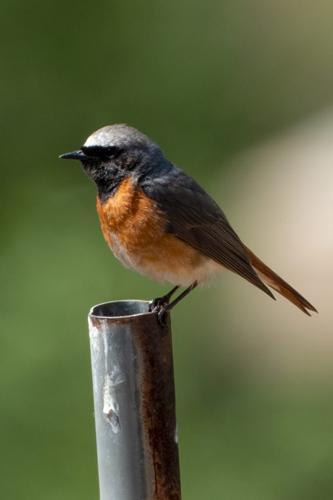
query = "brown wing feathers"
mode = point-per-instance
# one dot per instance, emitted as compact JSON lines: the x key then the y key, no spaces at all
{"x":215,"y":242}
{"x":194,"y":217}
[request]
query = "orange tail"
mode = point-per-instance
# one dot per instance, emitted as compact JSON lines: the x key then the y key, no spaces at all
{"x":278,"y":284}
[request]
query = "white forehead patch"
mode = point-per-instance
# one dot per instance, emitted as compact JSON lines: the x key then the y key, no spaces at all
{"x":117,"y":135}
{"x":101,"y":137}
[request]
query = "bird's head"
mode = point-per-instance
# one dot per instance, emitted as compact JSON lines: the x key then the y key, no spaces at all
{"x":113,"y":152}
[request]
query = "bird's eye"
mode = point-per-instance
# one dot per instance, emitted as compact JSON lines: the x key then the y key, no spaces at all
{"x":100,"y":151}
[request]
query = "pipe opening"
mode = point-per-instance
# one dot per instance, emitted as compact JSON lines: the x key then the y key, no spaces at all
{"x":120,"y":309}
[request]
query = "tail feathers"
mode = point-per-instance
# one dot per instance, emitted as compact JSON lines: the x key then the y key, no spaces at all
{"x":278,"y":284}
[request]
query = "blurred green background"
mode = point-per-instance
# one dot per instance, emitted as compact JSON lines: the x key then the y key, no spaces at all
{"x":208,"y":81}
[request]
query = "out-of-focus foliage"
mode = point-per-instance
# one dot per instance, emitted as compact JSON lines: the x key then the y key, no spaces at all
{"x":205,"y":80}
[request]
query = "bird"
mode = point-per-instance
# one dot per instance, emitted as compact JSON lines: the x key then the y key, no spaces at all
{"x":160,"y":222}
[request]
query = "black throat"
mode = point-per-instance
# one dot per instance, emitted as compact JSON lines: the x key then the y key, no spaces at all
{"x":108,"y":187}
{"x":106,"y":178}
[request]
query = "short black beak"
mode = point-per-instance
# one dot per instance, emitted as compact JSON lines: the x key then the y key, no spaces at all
{"x":73,"y":155}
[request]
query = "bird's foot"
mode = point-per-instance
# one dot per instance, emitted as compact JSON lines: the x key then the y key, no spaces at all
{"x":160,"y":306}
{"x":157,"y":303}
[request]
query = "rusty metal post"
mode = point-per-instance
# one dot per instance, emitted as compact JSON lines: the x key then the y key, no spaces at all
{"x":134,"y":402}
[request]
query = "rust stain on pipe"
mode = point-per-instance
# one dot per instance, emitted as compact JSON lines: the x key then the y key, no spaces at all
{"x":158,"y":408}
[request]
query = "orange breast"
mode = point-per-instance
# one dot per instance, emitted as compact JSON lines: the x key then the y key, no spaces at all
{"x":135,"y":230}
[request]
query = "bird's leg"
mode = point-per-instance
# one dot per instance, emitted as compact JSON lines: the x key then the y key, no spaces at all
{"x":168,"y":306}
{"x":181,"y":296}
{"x":162,"y":301}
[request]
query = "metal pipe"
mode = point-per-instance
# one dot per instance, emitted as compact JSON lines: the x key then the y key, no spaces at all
{"x":134,"y":400}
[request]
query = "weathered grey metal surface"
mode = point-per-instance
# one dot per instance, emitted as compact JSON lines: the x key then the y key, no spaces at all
{"x":134,"y":403}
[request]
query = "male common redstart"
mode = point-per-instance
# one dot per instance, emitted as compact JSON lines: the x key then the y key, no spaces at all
{"x":160,"y":222}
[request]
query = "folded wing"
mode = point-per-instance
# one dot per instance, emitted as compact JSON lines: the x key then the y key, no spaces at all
{"x":194,"y":217}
